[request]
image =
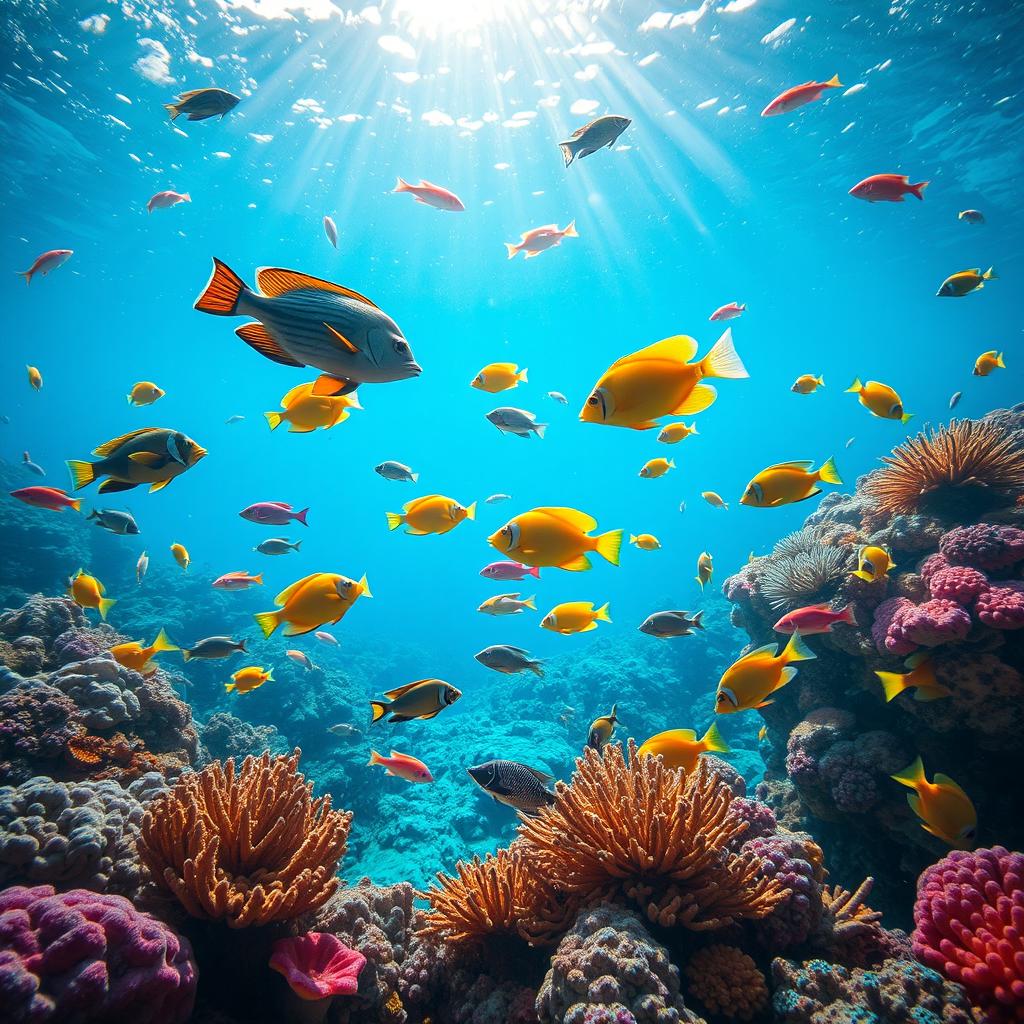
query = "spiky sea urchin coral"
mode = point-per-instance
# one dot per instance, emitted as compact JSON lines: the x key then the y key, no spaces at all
{"x":959,"y":471}
{"x":800,"y":569}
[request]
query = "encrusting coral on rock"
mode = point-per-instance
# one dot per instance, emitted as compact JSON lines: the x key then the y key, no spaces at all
{"x":726,"y":982}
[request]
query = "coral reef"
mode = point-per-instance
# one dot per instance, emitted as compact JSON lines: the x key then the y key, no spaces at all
{"x":317,"y":966}
{"x":36,"y":722}
{"x":726,"y":982}
{"x":795,"y":861}
{"x":223,"y":736}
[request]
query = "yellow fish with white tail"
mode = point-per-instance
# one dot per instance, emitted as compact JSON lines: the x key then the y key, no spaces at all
{"x":680,"y":748}
{"x":750,"y":681}
{"x":944,"y":808}
{"x":496,"y":377}
{"x":787,"y":483}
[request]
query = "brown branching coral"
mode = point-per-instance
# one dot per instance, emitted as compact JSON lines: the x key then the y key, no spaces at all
{"x":962,"y":470}
{"x":845,"y":912}
{"x":502,"y":893}
{"x":247,"y":847}
{"x":631,"y":827}
{"x":727,"y":982}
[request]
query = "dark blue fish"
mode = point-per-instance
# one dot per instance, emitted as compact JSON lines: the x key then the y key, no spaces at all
{"x":199,"y":104}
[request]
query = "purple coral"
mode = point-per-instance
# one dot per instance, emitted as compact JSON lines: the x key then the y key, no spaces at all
{"x":789,"y":857}
{"x":1002,"y":606}
{"x":931,"y":565}
{"x":959,"y":583}
{"x":901,"y":626}
{"x":36,"y":722}
{"x":79,"y":956}
{"x":759,"y":818}
{"x":984,"y":546}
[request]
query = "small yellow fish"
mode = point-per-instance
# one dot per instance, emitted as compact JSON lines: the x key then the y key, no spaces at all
{"x":602,"y":729}
{"x":873,"y":563}
{"x":966,"y":281}
{"x":680,"y":748}
{"x":807,"y":384}
{"x":181,"y":555}
{"x":944,"y":808}
{"x":656,"y":467}
{"x":305,"y":411}
{"x":495,"y":377}
{"x":921,"y":678}
{"x":555,"y":536}
{"x":714,"y":499}
{"x":987,"y":362}
{"x":145,"y":392}
{"x":135,"y":656}
{"x":87,"y":592}
{"x":673,"y":433}
{"x":35,"y":378}
{"x":312,"y":602}
{"x":748,"y":682}
{"x":787,"y":483}
{"x":762,"y":732}
{"x":433,"y":513}
{"x":575,"y":617}
{"x":247,"y":679}
{"x":645,"y":541}
{"x":880,"y":400}
{"x":704,"y":569}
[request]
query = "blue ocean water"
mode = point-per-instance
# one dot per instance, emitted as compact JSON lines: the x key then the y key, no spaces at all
{"x":702,"y":202}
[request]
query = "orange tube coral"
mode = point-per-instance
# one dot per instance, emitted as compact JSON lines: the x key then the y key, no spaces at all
{"x":656,"y":835}
{"x":727,"y":982}
{"x":247,"y":847}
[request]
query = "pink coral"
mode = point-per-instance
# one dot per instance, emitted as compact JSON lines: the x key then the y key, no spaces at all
{"x":1002,"y":606}
{"x":318,"y":965}
{"x":886,"y":639}
{"x":969,"y":926}
{"x":901,"y":627}
{"x":959,"y":583}
{"x":931,"y":565}
{"x":984,"y":546}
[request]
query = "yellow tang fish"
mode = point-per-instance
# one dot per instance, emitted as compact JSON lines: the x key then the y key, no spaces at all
{"x":312,"y":602}
{"x":575,"y":617}
{"x":87,"y":592}
{"x":680,"y":748}
{"x":944,"y":808}
{"x":495,"y":377}
{"x":645,"y":541}
{"x":247,"y":679}
{"x":654,"y":468}
{"x":873,"y":563}
{"x":306,"y":411}
{"x":602,"y":729}
{"x":921,"y":678}
{"x":748,"y":682}
{"x":555,"y":536}
{"x":807,"y":384}
{"x":431,"y":514}
{"x":704,"y":569}
{"x":987,"y":362}
{"x":145,"y":392}
{"x":880,"y":400}
{"x":181,"y":555}
{"x":714,"y":499}
{"x":673,"y":433}
{"x":35,"y":378}
{"x":659,"y":381}
{"x":135,"y":656}
{"x":787,"y":483}
{"x":966,"y":281}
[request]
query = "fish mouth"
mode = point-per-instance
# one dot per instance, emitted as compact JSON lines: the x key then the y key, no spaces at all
{"x":413,"y":369}
{"x":200,"y":453}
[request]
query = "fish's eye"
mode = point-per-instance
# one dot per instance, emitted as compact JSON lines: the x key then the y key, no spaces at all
{"x":401,"y":347}
{"x":593,"y":399}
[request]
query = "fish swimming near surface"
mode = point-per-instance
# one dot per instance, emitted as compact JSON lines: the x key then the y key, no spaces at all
{"x":514,"y":784}
{"x":313,"y":601}
{"x":987,"y":362}
{"x":121,"y":523}
{"x":668,"y":624}
{"x":807,"y":384}
{"x":945,"y":810}
{"x":247,"y":679}
{"x":966,"y":281}
{"x":402,"y":766}
{"x":326,"y":638}
{"x":138,"y":657}
{"x":396,"y":471}
{"x":680,"y":748}
{"x":798,"y":96}
{"x":509,"y":660}
{"x":921,"y":679}
{"x":880,"y":400}
{"x":150,"y":455}
{"x":537,"y":240}
{"x":507,"y":604}
{"x":212,"y":648}
{"x":274,"y":513}
{"x":495,"y":377}
{"x":422,"y":699}
{"x":654,"y":468}
{"x":603,"y":132}
{"x":141,"y":567}
{"x":199,"y":104}
{"x":32,"y":467}
{"x":673,"y":433}
{"x":45,"y":262}
{"x":705,"y":568}
{"x":887,"y":188}
{"x":556,"y":536}
{"x":971,"y":216}
{"x":787,"y":483}
{"x":873,"y":563}
{"x":87,"y":592}
{"x":428,"y":194}
{"x":165,"y":200}
{"x":496,"y":499}
{"x":575,"y":617}
{"x":640,"y":388}
{"x":729,"y":311}
{"x":145,"y":392}
{"x":304,"y":410}
{"x":277,"y":546}
{"x":815,"y":619}
{"x":52,"y":498}
{"x":645,"y":541}
{"x":509,"y":571}
{"x":237,"y":581}
{"x":181,"y":555}
{"x":750,"y":681}
{"x":602,"y":729}
{"x":299,"y":320}
{"x":433,"y":513}
{"x":510,"y":420}
{"x":35,"y":378}
{"x":331,"y":231}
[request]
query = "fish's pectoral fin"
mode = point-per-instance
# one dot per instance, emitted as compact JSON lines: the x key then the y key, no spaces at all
{"x":152,"y":460}
{"x":115,"y":485}
{"x":341,"y":339}
{"x":256,"y":336}
{"x":764,"y":704}
{"x":702,"y":396}
{"x":433,"y":714}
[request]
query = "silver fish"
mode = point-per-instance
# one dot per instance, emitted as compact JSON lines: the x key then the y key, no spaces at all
{"x":509,"y":660}
{"x":668,"y":624}
{"x":682,"y":506}
{"x":213,"y":647}
{"x":516,"y":421}
{"x":234,"y":419}
{"x":331,"y":231}
{"x":601,"y":132}
{"x":141,"y":567}
{"x":557,"y":396}
{"x":304,"y":321}
{"x":495,"y":499}
{"x":514,"y":784}
{"x":848,"y":443}
{"x":343,"y":729}
{"x":396,"y":471}
{"x":27,"y":463}
{"x":200,"y":104}
{"x":121,"y":523}
{"x":957,"y":395}
{"x":277,"y":546}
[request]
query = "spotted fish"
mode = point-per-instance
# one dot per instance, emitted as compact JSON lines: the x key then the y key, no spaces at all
{"x":514,"y":784}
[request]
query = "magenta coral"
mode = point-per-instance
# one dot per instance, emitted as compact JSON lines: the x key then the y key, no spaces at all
{"x":904,"y":626}
{"x":318,"y":965}
{"x":886,"y":639}
{"x":1002,"y":606}
{"x":969,"y":926}
{"x":931,"y":565}
{"x":984,"y":546}
{"x":790,"y":858}
{"x":959,"y":583}
{"x":78,"y":956}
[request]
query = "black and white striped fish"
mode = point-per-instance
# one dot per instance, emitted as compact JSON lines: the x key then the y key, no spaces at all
{"x":514,"y":784}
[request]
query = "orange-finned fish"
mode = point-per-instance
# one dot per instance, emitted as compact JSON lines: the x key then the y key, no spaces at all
{"x":680,"y":748}
{"x":944,"y":808}
{"x":673,"y":433}
{"x":575,"y":617}
{"x":145,"y":392}
{"x":52,"y":498}
{"x":165,"y":200}
{"x":966,"y":281}
{"x":247,"y":679}
{"x":729,"y":311}
{"x":788,"y":483}
{"x":602,"y":729}
{"x":798,"y":95}
{"x":705,"y":568}
{"x":431,"y":195}
{"x":136,"y":656}
{"x":654,"y":468}
{"x":814,"y":619}
{"x":433,"y":513}
{"x":35,"y":378}
{"x":645,"y":541}
{"x":312,"y":602}
{"x":497,"y":377}
{"x":807,"y":384}
{"x":987,"y":362}
{"x":921,"y":678}
{"x":46,"y":262}
{"x":556,"y":536}
{"x":748,"y":682}
{"x":237,"y":581}
{"x":87,"y":592}
{"x":402,"y":766}
{"x":537,"y":240}
{"x":181,"y":555}
{"x":887,"y":188}
{"x":305,"y":410}
{"x":873,"y":563}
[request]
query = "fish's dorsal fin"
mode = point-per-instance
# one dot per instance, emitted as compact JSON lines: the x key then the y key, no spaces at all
{"x":184,"y":97}
{"x":297,"y":392}
{"x":276,"y":281}
{"x":289,"y":592}
{"x":511,"y":367}
{"x":112,"y":446}
{"x":542,"y":777}
{"x":516,"y":650}
{"x":680,"y":348}
{"x":396,"y":693}
{"x":580,"y":520}
{"x":700,"y":398}
{"x":409,"y":506}
{"x":684,"y":735}
{"x":793,"y":465}
{"x":769,"y":649}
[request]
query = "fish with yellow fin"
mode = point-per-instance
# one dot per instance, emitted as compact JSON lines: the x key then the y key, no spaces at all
{"x":181,"y":555}
{"x":150,"y":455}
{"x":680,"y":748}
{"x":35,"y":378}
{"x":422,"y":699}
{"x":921,"y":679}
{"x":312,"y":602}
{"x":654,"y":468}
{"x":807,"y":383}
{"x":966,"y":281}
{"x":645,"y":541}
{"x":873,"y":563}
{"x":304,"y":411}
{"x":787,"y":483}
{"x":87,"y":592}
{"x":136,"y":656}
{"x":715,"y":500}
{"x":602,"y":729}
{"x":575,"y":617}
{"x":145,"y":392}
{"x":495,"y":377}
{"x":945,"y":810}
{"x":433,"y":513}
{"x":987,"y":362}
{"x":673,"y":433}
{"x":880,"y":400}
{"x":556,"y":536}
{"x":638,"y":389}
{"x":247,"y":679}
{"x":705,"y":568}
{"x":750,"y":681}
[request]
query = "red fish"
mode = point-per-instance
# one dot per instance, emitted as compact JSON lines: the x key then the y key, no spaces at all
{"x":799,"y":95}
{"x":431,"y":195}
{"x":46,"y":262}
{"x":887,"y":188}
{"x":404,"y":766}
{"x":164,"y":200}
{"x":816,"y":618}
{"x":52,"y":498}
{"x":237,"y":581}
{"x":729,"y":311}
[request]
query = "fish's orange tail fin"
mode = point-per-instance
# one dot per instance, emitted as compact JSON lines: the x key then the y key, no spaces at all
{"x":918,"y":189}
{"x":402,"y":186}
{"x":27,"y":274}
{"x":375,"y":758}
{"x":512,"y":250}
{"x":378,"y":708}
{"x":222,"y":292}
{"x":912,"y":775}
{"x":570,"y":230}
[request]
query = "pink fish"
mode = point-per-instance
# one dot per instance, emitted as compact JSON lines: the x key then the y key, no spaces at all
{"x":729,"y":311}
{"x":46,"y":262}
{"x":536,"y":240}
{"x":509,"y":571}
{"x":273,"y":513}
{"x":165,"y":200}
{"x":431,"y":195}
{"x":816,"y":618}
{"x":404,"y":766}
{"x":799,"y":95}
{"x":887,"y":188}
{"x":237,"y":581}
{"x":52,"y":498}
{"x":326,"y":638}
{"x":301,"y":658}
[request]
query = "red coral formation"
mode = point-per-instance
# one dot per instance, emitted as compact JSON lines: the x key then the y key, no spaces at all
{"x":984,"y":546}
{"x":959,"y":583}
{"x":901,"y":626}
{"x":117,"y":757}
{"x":1002,"y":606}
{"x":317,"y":965}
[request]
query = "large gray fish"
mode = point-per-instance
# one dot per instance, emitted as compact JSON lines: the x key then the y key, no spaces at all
{"x":601,"y":132}
{"x":509,"y":660}
{"x":121,"y":523}
{"x":510,"y":420}
{"x":213,"y":647}
{"x":425,"y":698}
{"x":151,"y":455}
{"x":305,"y":321}
{"x":664,"y":625}
{"x":199,"y":104}
{"x":514,"y":784}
